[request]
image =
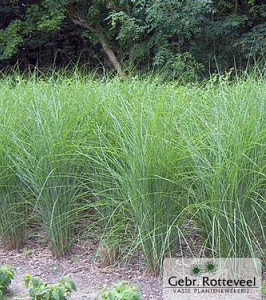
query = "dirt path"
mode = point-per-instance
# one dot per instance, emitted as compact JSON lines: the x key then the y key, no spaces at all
{"x":88,"y":276}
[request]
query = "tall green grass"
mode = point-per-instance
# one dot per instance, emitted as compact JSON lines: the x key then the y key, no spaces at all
{"x":13,"y":196}
{"x":155,"y":166}
{"x":227,"y":146}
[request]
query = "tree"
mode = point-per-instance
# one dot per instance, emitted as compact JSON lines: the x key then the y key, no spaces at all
{"x":160,"y":34}
{"x":234,"y":32}
{"x":47,"y":16}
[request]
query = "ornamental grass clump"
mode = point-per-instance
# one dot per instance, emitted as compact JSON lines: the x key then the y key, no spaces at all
{"x":140,"y":166}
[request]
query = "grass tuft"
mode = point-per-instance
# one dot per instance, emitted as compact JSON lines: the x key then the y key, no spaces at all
{"x":155,"y":166}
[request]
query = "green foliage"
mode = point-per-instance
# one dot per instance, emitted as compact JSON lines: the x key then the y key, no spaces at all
{"x":184,"y":68}
{"x":161,"y":30}
{"x":253,"y":43}
{"x":263,"y":289}
{"x":40,"y":290}
{"x":10,"y":39}
{"x":7,"y":273}
{"x":142,"y":34}
{"x":121,"y":291}
{"x":45,"y":17}
{"x":234,"y":33}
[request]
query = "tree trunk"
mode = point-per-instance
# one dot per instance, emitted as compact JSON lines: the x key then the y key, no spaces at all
{"x":98,"y":31}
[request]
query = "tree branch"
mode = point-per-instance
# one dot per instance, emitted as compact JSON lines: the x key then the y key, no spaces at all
{"x":99,"y":32}
{"x":81,"y":22}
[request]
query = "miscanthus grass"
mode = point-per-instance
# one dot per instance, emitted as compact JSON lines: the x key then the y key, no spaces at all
{"x":152,"y":166}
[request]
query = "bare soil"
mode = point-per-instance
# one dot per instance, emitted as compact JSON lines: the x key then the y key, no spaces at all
{"x":81,"y":267}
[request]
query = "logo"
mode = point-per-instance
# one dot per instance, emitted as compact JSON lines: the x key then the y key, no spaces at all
{"x":219,"y":278}
{"x":209,"y":267}
{"x":196,"y":270}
